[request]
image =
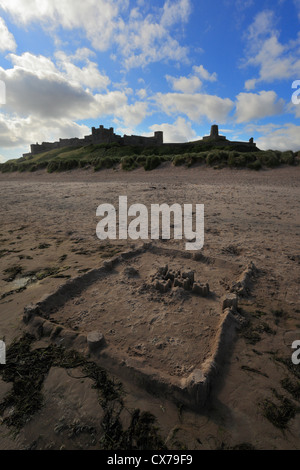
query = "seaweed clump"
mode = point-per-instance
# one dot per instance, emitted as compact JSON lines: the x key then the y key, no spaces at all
{"x":27,"y":369}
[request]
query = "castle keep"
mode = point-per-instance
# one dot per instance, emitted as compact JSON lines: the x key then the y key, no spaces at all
{"x":101,"y":135}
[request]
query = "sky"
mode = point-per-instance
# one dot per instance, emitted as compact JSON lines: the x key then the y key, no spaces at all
{"x":173,"y":65}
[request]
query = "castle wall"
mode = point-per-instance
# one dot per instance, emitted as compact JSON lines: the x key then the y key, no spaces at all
{"x":70,"y":142}
{"x":140,"y":140}
{"x":215,"y":138}
{"x":99,"y":135}
{"x":43,"y":147}
{"x":102,"y":135}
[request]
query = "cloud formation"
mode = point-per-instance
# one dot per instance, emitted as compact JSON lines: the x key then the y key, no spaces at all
{"x":7,"y":40}
{"x":180,"y":131}
{"x":40,"y":90}
{"x":141,"y":37}
{"x":274,"y":59}
{"x":99,"y":19}
{"x":196,"y":106}
{"x":192,"y":83}
{"x":16,"y":132}
{"x":285,"y":137}
{"x":254,"y":106}
{"x":92,"y":47}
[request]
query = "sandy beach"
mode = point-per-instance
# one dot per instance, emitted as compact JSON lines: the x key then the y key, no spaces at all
{"x":48,"y":236}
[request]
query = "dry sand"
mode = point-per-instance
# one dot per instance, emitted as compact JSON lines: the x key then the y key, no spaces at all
{"x":49,"y":221}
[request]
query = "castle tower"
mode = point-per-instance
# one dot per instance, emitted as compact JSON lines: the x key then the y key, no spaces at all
{"x":214,"y":131}
{"x":159,"y":136}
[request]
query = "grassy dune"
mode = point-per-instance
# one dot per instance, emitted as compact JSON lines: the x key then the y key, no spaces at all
{"x":131,"y":157}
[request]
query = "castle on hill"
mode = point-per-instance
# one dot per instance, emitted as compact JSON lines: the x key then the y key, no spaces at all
{"x":214,"y":137}
{"x":102,"y":135}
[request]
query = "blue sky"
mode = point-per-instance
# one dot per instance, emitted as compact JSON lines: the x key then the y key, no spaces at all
{"x":139,"y":66}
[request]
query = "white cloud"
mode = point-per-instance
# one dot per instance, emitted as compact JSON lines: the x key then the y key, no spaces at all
{"x":195,"y":106}
{"x":82,"y":53}
{"x":41,"y":66}
{"x":16,"y":131}
{"x":274,"y":60}
{"x":49,"y":122}
{"x":185,"y":84}
{"x":192,"y":83}
{"x":175,"y":12}
{"x":144,"y":40}
{"x":252,"y":106}
{"x":142,"y":93}
{"x":141,"y":37}
{"x":204,"y":74}
{"x":36,"y":85}
{"x":250,"y":84}
{"x":39,"y":90}
{"x":132,"y":114}
{"x":294,"y":108}
{"x":88,"y":75}
{"x":7,"y":40}
{"x":180,"y":131}
{"x":38,"y":64}
{"x":98,"y":18}
{"x":286,"y":137}
{"x":263,"y":24}
{"x":44,"y":95}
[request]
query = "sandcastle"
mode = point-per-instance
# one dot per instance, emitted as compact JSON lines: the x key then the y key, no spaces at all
{"x":164,"y":318}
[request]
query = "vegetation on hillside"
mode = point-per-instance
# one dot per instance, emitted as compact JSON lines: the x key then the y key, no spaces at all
{"x":130,"y":157}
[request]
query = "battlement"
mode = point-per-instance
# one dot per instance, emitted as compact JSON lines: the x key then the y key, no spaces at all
{"x":99,"y":135}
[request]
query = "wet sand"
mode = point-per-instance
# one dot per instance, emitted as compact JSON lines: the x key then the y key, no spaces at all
{"x":48,"y":224}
